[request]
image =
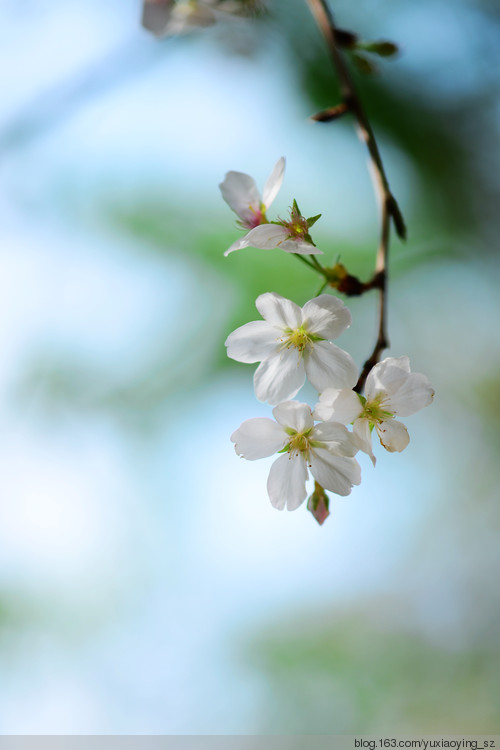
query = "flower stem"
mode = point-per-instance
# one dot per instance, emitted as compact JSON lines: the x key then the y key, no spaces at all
{"x":308,"y":262}
{"x":389,"y":209}
{"x":323,"y":286}
{"x":318,"y":266}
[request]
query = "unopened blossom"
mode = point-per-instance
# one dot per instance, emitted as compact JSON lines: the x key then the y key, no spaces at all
{"x":327,"y":449}
{"x":293,"y":342}
{"x":391,"y":391}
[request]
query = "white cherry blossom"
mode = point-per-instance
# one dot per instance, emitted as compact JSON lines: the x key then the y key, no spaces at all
{"x":327,"y":449}
{"x":391,"y":391}
{"x":242,"y":195}
{"x":293,"y":342}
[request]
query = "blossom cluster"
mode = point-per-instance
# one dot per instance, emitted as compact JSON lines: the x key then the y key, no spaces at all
{"x":292,"y":344}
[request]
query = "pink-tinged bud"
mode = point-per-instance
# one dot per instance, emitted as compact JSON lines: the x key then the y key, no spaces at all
{"x":318,"y":504}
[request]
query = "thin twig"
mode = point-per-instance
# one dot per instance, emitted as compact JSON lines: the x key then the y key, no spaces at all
{"x":388,"y":206}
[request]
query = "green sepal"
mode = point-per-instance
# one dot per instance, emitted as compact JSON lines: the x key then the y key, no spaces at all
{"x":313,"y":220}
{"x":285,"y":449}
{"x":295,"y":207}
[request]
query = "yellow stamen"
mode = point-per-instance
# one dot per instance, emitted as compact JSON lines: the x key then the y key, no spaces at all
{"x":299,"y":443}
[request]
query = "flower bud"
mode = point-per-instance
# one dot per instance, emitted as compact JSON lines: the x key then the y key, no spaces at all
{"x":318,"y":504}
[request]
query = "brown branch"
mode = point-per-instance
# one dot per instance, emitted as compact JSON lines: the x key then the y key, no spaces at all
{"x":389,"y":209}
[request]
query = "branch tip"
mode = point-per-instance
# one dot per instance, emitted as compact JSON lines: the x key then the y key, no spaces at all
{"x":331,"y":113}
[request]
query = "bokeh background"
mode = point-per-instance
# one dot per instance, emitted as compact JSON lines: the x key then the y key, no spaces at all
{"x":146,"y":584}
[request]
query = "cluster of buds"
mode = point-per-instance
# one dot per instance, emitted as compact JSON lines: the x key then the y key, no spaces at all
{"x":292,"y":344}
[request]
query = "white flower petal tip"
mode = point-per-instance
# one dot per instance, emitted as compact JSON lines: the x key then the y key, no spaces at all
{"x":237,"y":245}
{"x":326,"y":450}
{"x":393,"y":435}
{"x":274,"y":182}
{"x":291,"y":343}
{"x":258,"y":438}
{"x":286,"y":485}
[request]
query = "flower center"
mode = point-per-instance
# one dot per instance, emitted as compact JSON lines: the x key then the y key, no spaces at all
{"x":297,"y":227}
{"x":258,"y":217}
{"x":299,"y":442}
{"x":298,"y":337}
{"x":374,"y":412}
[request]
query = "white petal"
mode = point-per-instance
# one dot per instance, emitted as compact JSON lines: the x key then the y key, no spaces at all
{"x":279,"y":311}
{"x":294,"y":414}
{"x":287,"y":482}
{"x":240,"y":193}
{"x":387,"y":376}
{"x":259,"y":438}
{"x":404,"y":392}
{"x":337,"y":438}
{"x":363,"y":437}
{"x":336,"y":405}
{"x":326,"y":316}
{"x":329,"y":366}
{"x":279,"y":377}
{"x":273,"y":183}
{"x":393,"y":435}
{"x":266,"y":236}
{"x":300,"y":247}
{"x":252,"y":342}
{"x":335,"y":473}
{"x":237,"y":245}
{"x":413,"y":394}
